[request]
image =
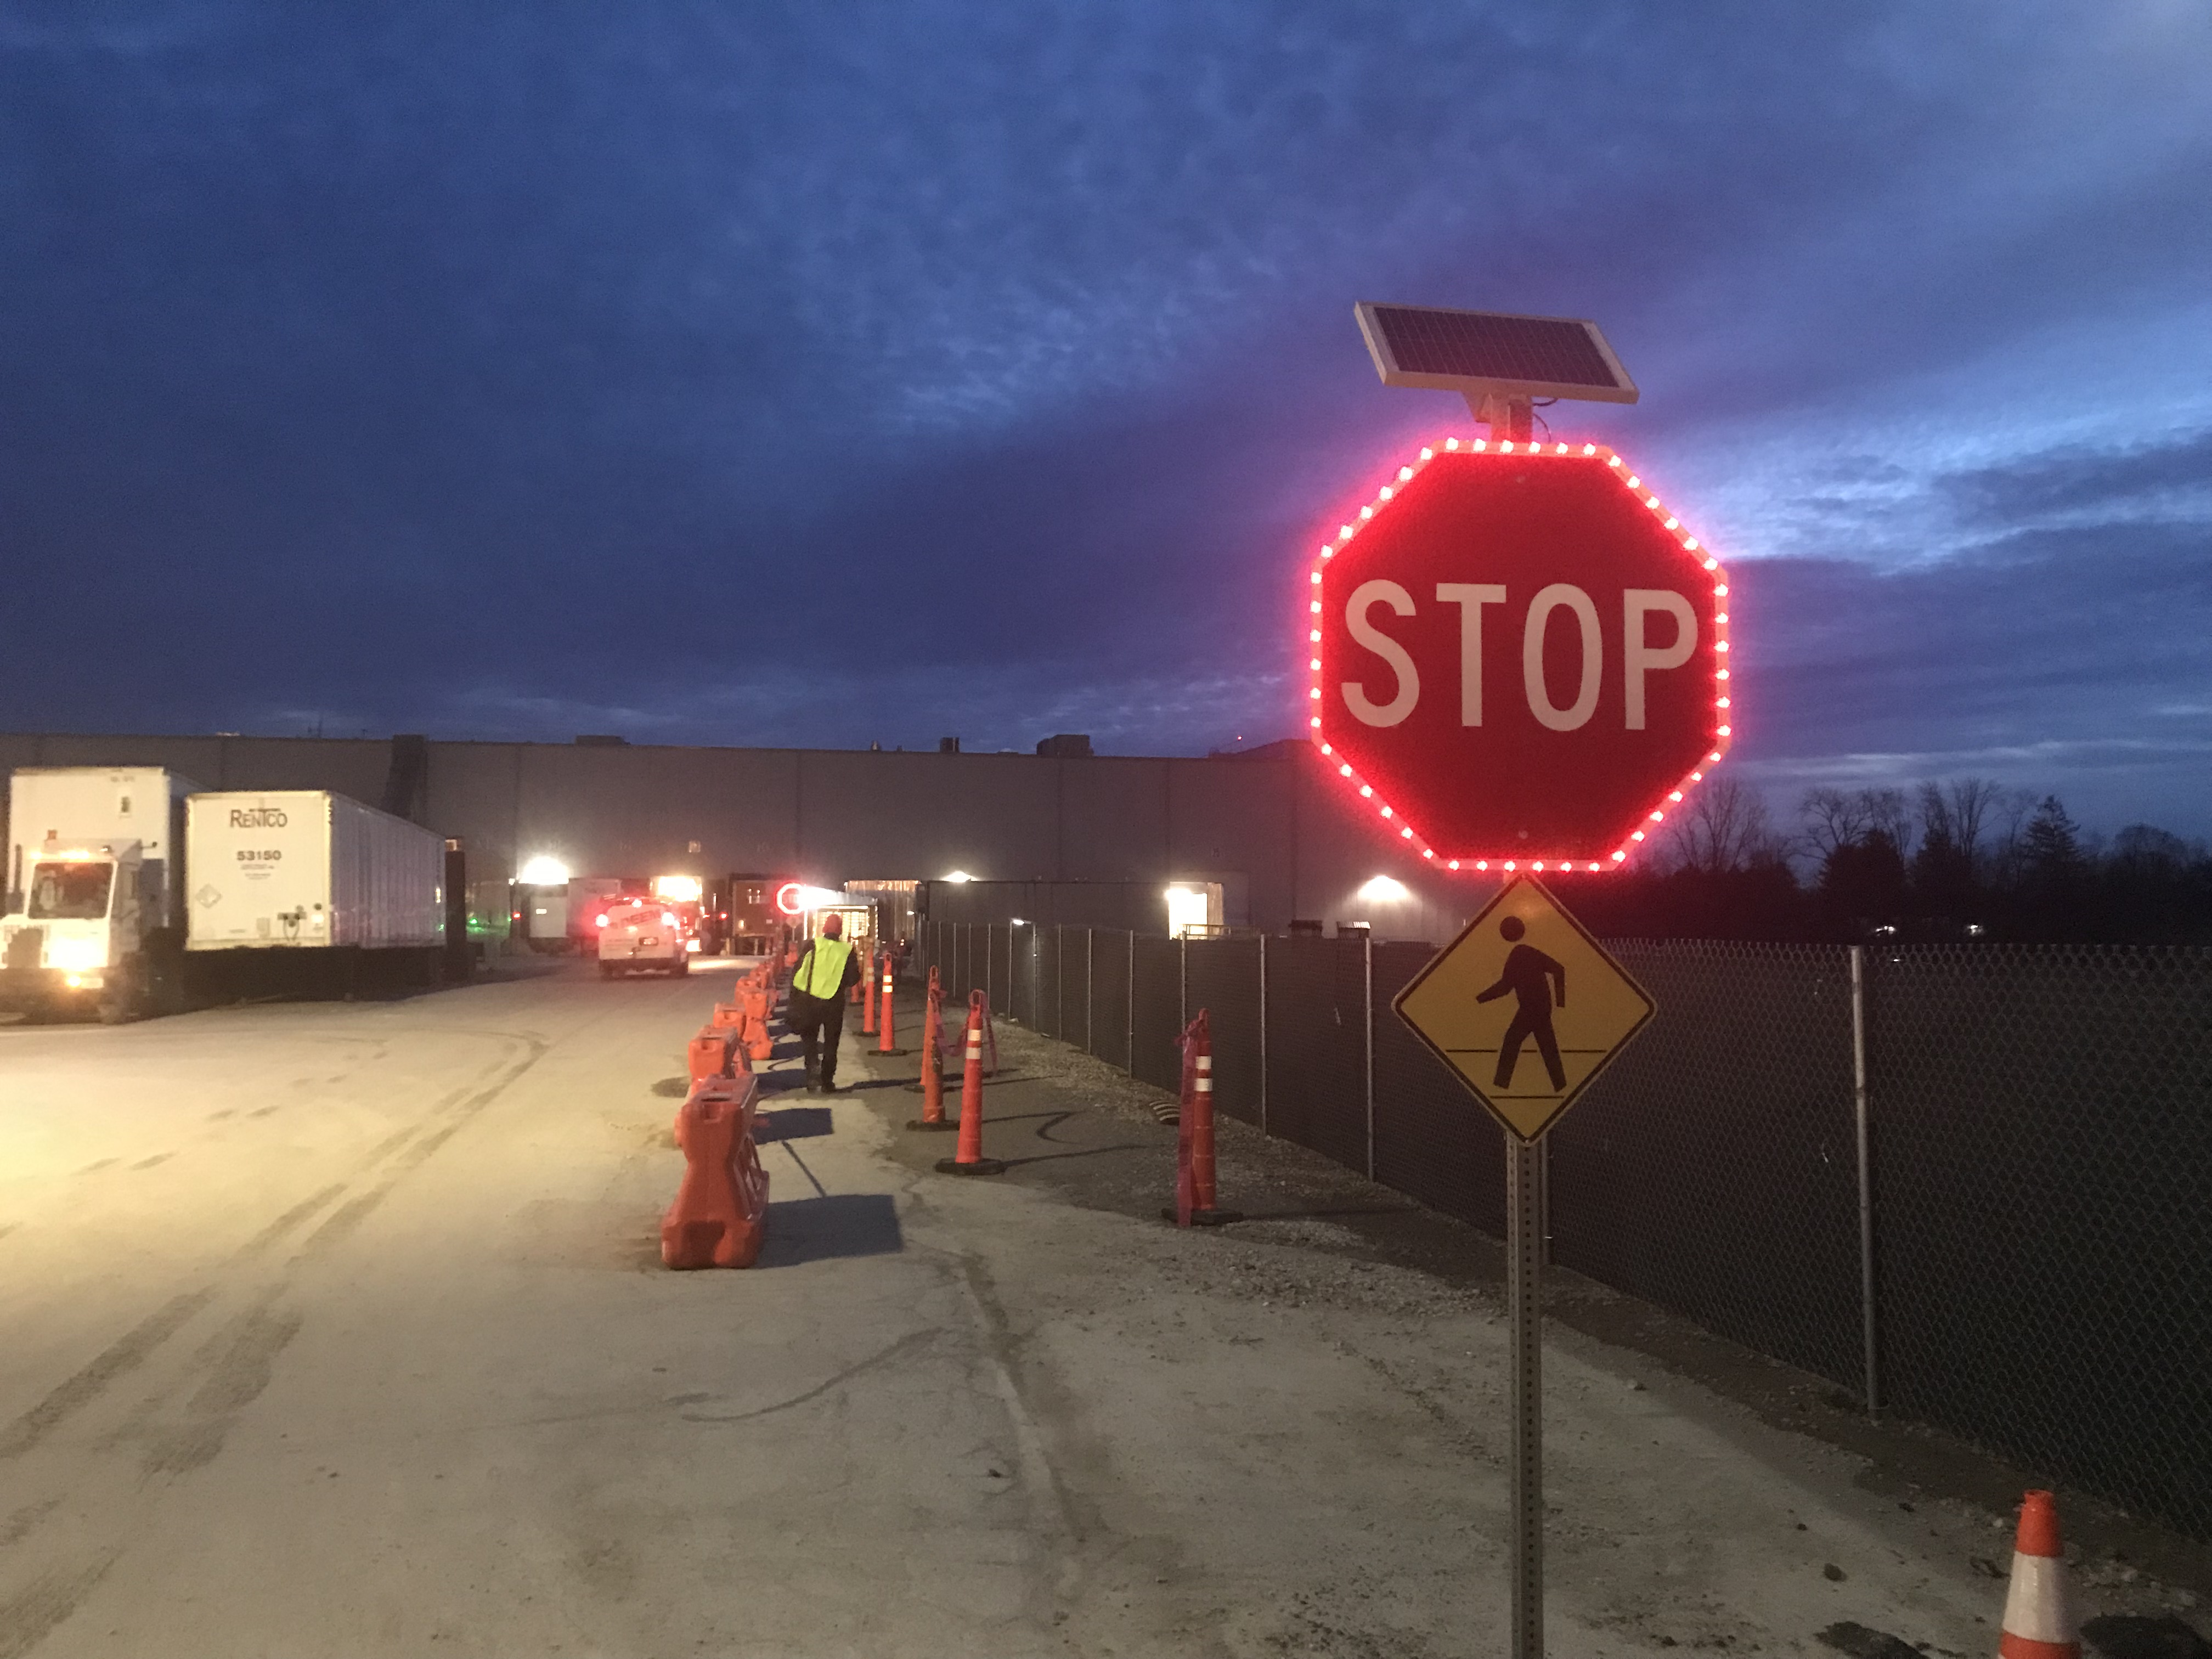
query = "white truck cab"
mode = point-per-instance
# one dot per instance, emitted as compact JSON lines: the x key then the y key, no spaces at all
{"x":92,"y":919}
{"x":79,"y":919}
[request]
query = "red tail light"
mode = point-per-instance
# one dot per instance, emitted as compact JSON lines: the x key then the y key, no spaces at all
{"x":603,"y":921}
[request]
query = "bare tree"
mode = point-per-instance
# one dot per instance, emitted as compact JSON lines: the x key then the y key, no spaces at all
{"x":1724,"y":827}
{"x":1890,"y":813}
{"x":2010,"y":808}
{"x":1954,"y":815}
{"x":1974,"y":802}
{"x":1827,"y":819}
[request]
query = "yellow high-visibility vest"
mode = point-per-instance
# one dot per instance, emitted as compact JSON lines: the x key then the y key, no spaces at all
{"x":823,"y":975}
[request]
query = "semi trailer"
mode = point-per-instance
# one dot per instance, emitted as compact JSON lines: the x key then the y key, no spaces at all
{"x":130,"y":891}
{"x":293,"y":869}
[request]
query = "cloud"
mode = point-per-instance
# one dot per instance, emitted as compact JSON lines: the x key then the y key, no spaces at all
{"x":796,"y":375}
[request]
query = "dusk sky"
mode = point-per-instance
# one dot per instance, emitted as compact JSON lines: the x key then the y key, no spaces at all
{"x":826,"y":375}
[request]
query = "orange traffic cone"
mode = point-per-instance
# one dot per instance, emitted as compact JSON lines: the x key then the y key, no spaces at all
{"x":2039,"y":1617}
{"x":932,"y":1081}
{"x":1194,"y":1205}
{"x":968,"y":1158}
{"x":886,"y":1026}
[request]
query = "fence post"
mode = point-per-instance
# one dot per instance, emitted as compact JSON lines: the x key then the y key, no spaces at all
{"x":1861,"y":1124}
{"x":1130,"y":1038}
{"x":1263,"y":1034}
{"x":1367,"y":1035}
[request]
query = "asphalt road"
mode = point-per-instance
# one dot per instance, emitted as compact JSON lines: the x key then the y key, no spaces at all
{"x":340,"y":1329}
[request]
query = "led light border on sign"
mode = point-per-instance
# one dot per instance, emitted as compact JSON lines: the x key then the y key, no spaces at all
{"x":1720,"y":738}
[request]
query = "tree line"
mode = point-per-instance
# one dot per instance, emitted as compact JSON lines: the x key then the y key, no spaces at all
{"x":1957,"y":860}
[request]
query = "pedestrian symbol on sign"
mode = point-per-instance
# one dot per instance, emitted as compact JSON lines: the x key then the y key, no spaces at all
{"x":1530,"y":976}
{"x":1501,"y":986}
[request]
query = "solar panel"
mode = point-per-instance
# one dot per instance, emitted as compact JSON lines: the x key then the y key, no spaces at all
{"x":1484,"y":352}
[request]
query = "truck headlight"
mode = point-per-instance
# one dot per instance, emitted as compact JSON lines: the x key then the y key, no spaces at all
{"x":76,"y":954}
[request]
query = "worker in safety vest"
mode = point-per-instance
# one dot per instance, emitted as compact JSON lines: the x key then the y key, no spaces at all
{"x":828,"y":968}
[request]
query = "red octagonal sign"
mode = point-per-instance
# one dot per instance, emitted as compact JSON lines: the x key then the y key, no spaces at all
{"x":1520,"y":657}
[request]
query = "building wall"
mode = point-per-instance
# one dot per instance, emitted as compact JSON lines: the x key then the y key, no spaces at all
{"x":1275,"y":830}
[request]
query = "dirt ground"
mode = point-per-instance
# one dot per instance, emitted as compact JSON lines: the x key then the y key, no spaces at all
{"x":1105,"y":1141}
{"x":340,"y":1329}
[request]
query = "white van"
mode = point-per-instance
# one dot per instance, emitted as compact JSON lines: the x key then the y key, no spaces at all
{"x":640,"y":935}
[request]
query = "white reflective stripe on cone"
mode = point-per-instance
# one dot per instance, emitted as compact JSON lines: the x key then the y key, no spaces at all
{"x":1204,"y":1083}
{"x":2038,"y":1607}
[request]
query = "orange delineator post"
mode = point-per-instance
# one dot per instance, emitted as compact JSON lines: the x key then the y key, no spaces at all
{"x":2040,"y":1621}
{"x":1194,"y":1205}
{"x":719,"y":1218}
{"x":932,"y":1059}
{"x":968,"y":1159}
{"x":868,"y":1006}
{"x":884,"y":1022}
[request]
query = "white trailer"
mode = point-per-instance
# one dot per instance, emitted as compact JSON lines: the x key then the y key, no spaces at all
{"x":295,"y":869}
{"x":94,"y":913}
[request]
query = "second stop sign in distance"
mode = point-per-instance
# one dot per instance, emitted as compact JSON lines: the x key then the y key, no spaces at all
{"x":1519,"y":654}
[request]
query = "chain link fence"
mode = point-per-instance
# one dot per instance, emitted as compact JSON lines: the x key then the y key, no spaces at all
{"x":2042,"y":1203}
{"x":1222,"y":975}
{"x":2020,"y":1258}
{"x":1112,"y":952}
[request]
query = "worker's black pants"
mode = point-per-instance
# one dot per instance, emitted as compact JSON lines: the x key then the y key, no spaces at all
{"x":818,"y":1023}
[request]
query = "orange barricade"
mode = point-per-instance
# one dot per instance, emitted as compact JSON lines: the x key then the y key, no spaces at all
{"x":1194,"y":1185}
{"x":729,"y":1016}
{"x":719,"y":1218}
{"x":758,"y":1044}
{"x":708,"y":1054}
{"x":968,"y":1158}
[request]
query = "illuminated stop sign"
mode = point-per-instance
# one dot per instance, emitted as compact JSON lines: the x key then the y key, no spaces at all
{"x":1520,"y":657}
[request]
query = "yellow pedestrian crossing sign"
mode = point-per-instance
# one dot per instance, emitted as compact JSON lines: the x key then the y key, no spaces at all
{"x":1524,"y":1007}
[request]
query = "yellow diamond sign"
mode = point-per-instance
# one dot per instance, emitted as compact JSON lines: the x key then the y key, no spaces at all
{"x":1525,"y":1008}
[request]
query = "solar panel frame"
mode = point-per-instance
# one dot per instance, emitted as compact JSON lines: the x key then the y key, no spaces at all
{"x":1533,"y":351}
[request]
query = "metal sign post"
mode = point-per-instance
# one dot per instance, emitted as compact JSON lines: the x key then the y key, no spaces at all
{"x":1525,"y":972}
{"x":1524,"y":1308}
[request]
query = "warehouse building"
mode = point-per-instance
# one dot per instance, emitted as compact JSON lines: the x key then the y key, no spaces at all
{"x":1264,"y":837}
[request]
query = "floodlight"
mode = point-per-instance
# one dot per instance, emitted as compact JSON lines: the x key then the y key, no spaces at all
{"x":1499,"y":362}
